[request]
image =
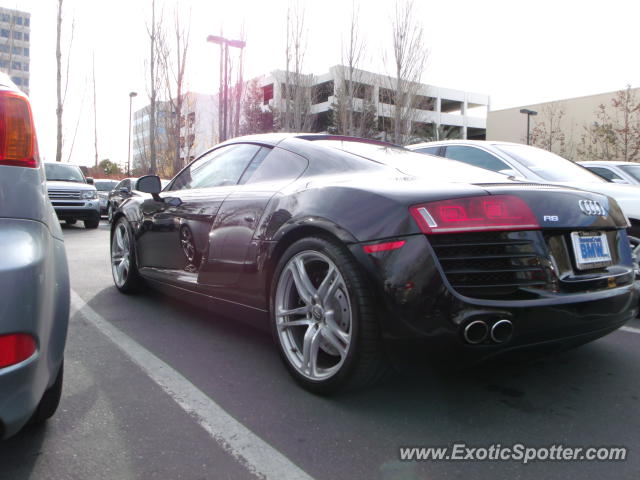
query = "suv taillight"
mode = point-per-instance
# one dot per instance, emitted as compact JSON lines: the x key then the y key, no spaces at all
{"x":475,"y":214}
{"x":18,"y":145}
{"x":16,"y":348}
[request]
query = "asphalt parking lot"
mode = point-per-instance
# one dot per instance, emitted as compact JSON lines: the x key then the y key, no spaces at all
{"x":156,"y":388}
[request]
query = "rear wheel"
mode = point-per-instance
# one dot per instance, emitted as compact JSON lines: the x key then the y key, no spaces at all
{"x":323,"y":318}
{"x":70,"y":221}
{"x":123,"y":259}
{"x":110,"y":213}
{"x":50,"y":400}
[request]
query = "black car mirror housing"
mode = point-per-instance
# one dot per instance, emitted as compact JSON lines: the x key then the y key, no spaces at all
{"x":149,"y":184}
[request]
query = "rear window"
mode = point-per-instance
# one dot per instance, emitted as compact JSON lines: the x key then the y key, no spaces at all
{"x":105,"y":185}
{"x":433,"y":168}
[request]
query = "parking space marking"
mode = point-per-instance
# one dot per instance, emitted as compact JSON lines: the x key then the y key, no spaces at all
{"x":630,"y":329}
{"x":260,"y":458}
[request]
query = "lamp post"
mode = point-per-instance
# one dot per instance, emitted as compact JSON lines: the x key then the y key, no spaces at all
{"x":529,"y":114}
{"x":131,"y":95}
{"x":223,"y":92}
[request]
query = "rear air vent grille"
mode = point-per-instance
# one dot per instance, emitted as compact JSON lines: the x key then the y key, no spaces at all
{"x":492,"y":264}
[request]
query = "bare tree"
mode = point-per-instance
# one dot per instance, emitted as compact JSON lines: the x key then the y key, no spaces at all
{"x":61,"y":93}
{"x":547,"y":132}
{"x":409,"y":57}
{"x":627,"y":129}
{"x":175,"y":80}
{"x":154,"y":32}
{"x":297,"y":86}
{"x":95,"y":110}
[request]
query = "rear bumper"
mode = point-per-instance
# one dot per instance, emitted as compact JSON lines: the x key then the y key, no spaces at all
{"x":35,"y":284}
{"x":422,"y":318}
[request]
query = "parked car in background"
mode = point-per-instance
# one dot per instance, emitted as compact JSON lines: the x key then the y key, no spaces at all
{"x":537,"y":165}
{"x":126,"y":188}
{"x":104,"y":186}
{"x":72,"y":194}
{"x":616,"y":172}
{"x":34,"y":278}
{"x":356,"y":251}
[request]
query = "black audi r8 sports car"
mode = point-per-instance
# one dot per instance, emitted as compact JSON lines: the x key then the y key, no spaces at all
{"x":356,"y":253}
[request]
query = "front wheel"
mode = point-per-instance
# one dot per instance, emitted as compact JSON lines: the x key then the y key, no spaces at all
{"x":323,"y":318}
{"x":123,"y":259}
{"x":110,"y":213}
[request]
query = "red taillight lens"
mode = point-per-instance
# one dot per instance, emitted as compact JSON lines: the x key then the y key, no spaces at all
{"x":383,"y":247}
{"x":16,"y":348}
{"x":475,"y":214}
{"x":17,"y":133}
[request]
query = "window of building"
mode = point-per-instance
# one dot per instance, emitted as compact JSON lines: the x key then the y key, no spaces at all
{"x":17,"y":35}
{"x":25,"y":67}
{"x":17,"y":50}
{"x":25,"y":51}
{"x":27,"y":21}
{"x":17,"y":80}
{"x":17,"y":20}
{"x":4,"y":48}
{"x":4,"y":17}
{"x":4,"y":33}
{"x":424,"y":103}
{"x":322,"y":92}
{"x":25,"y":82}
{"x":16,"y":65}
{"x":267,"y":94}
{"x":386,"y":95}
{"x":26,"y":37}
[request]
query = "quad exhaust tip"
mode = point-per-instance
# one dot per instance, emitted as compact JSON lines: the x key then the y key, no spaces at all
{"x":501,"y":331}
{"x":476,"y":332}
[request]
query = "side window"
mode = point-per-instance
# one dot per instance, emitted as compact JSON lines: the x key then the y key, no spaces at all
{"x":223,"y":166}
{"x":126,"y":183}
{"x":476,"y":157}
{"x":429,"y":150}
{"x":276,"y":164}
{"x":605,"y":173}
{"x":119,"y":185}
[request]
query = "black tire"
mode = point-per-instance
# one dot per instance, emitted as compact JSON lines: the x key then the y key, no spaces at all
{"x":70,"y":221}
{"x":91,"y":224}
{"x":110,"y":213}
{"x":133,"y":282}
{"x":50,"y":400}
{"x":365,"y":363}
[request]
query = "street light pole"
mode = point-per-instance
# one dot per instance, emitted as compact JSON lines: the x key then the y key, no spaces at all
{"x":223,"y":93}
{"x":529,"y":114}
{"x":131,"y":95}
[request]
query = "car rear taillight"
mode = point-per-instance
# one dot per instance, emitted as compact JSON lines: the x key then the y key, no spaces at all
{"x":383,"y":247}
{"x":15,"y":348}
{"x":475,"y":214}
{"x":18,"y":145}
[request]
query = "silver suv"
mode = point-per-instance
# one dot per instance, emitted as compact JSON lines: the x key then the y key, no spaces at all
{"x":34,"y":279}
{"x":72,"y":194}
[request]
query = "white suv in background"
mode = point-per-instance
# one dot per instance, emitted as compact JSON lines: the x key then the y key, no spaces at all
{"x":72,"y":194}
{"x":616,"y":172}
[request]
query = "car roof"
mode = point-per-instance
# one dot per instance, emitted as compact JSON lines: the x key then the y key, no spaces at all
{"x":442,"y":143}
{"x":276,"y":138}
{"x":615,"y":163}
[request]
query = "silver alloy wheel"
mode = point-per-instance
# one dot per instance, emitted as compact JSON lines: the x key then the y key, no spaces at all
{"x":110,"y":213}
{"x":313,"y":315}
{"x":187,"y":244}
{"x":120,"y":255}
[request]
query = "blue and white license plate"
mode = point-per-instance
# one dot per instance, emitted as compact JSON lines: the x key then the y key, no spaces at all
{"x":591,"y":249}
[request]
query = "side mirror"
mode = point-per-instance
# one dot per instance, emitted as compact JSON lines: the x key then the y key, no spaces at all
{"x":149,"y":184}
{"x":90,"y":180}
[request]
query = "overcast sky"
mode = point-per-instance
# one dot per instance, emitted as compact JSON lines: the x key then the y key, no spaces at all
{"x":517,"y":52}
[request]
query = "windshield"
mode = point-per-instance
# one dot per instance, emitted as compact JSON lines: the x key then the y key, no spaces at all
{"x":105,"y":185}
{"x":62,"y":172}
{"x":549,"y":166}
{"x":417,"y":164}
{"x":633,"y":170}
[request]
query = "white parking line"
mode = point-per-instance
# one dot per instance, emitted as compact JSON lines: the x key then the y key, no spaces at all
{"x":260,"y":458}
{"x":630,"y":329}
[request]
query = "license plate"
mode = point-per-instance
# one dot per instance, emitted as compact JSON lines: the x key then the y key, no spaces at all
{"x":591,"y":249}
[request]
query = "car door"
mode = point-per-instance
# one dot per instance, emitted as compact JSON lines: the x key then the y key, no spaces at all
{"x":231,"y":264}
{"x":175,"y":228}
{"x":478,"y":158}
